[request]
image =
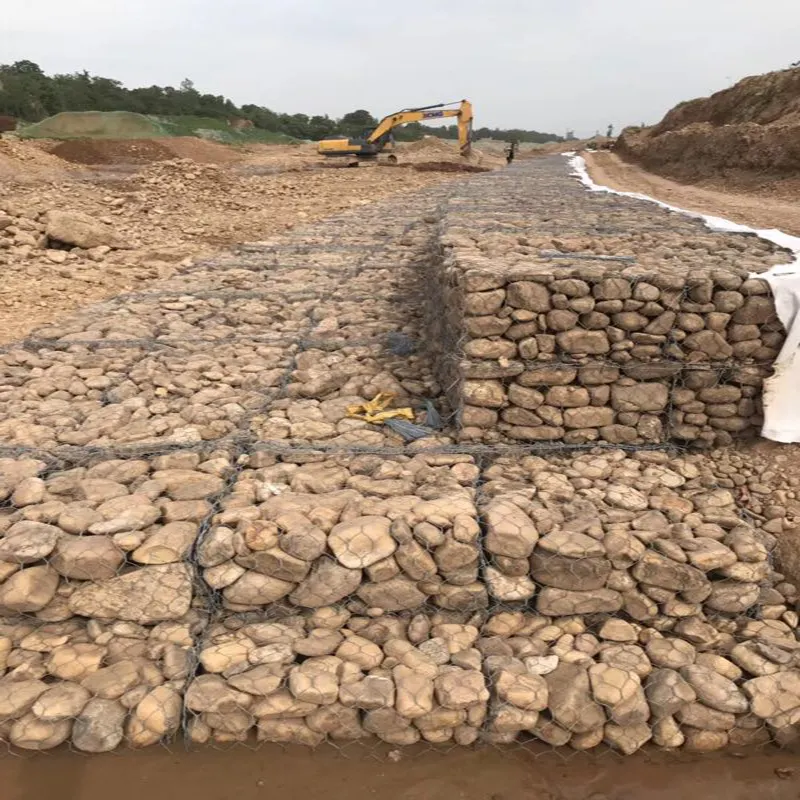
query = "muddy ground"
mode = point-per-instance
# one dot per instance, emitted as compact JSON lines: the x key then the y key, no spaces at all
{"x":488,"y":774}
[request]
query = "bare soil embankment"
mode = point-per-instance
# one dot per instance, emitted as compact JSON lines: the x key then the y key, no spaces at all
{"x":745,"y":138}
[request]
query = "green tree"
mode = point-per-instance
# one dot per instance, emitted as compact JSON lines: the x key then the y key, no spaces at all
{"x":26,"y":92}
{"x":26,"y":68}
{"x":357,"y":122}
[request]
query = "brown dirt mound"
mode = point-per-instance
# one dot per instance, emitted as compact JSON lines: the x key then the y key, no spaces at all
{"x":738,"y":137}
{"x":112,"y":151}
{"x":201,"y":150}
{"x":430,"y":143}
{"x":447,"y":166}
{"x":144,"y":151}
{"x":769,"y":99}
{"x":21,"y":161}
{"x":432,"y":149}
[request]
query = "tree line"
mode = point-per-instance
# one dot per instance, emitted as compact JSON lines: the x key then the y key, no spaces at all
{"x":28,"y":94}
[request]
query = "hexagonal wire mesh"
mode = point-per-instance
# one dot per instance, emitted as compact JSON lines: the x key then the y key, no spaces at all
{"x":204,"y":535}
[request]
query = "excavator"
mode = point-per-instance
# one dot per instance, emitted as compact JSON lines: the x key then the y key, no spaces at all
{"x":380,"y":140}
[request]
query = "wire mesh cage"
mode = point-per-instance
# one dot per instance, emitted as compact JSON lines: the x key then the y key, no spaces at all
{"x":212,"y":529}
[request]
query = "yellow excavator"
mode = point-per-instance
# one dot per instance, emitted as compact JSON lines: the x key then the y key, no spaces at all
{"x":380,"y":140}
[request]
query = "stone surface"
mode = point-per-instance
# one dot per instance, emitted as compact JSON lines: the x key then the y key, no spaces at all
{"x":99,"y":726}
{"x":570,"y":700}
{"x":81,"y":230}
{"x":715,"y":690}
{"x":150,"y":594}
{"x":361,"y":542}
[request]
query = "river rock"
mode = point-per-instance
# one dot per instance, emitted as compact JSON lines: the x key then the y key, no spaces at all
{"x":99,"y":726}
{"x":570,"y":701}
{"x":715,"y":690}
{"x":62,"y":701}
{"x":147,"y":595}
{"x":327,"y":583}
{"x":360,"y":542}
{"x":29,"y":590}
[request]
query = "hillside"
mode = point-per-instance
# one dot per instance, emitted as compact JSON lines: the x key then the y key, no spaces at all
{"x":129,"y":125}
{"x":746,"y":136}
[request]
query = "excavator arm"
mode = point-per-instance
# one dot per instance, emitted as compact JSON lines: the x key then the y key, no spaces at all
{"x":375,"y":141}
{"x":463,"y":113}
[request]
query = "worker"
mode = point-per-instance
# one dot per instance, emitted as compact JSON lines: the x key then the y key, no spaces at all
{"x":511,"y":151}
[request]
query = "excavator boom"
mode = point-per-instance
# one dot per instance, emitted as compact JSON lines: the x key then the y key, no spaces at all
{"x":376,"y":141}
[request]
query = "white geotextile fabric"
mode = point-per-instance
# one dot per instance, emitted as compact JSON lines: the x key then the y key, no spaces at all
{"x":781,"y":396}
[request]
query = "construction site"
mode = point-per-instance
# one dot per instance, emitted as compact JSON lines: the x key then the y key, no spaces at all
{"x":444,"y":477}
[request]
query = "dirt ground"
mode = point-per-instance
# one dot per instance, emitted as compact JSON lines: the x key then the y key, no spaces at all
{"x":754,"y":208}
{"x":295,"y":773}
{"x":170,"y":200}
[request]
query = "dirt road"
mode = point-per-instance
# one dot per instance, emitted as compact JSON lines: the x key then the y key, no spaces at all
{"x":361,"y":774}
{"x":757,"y":211}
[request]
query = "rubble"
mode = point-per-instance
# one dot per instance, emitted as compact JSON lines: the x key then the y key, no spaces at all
{"x":167,"y":214}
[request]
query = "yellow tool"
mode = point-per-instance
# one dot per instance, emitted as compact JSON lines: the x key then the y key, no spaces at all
{"x":374,"y":411}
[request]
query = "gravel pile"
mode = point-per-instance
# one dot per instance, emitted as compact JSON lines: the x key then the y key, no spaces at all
{"x":645,"y":328}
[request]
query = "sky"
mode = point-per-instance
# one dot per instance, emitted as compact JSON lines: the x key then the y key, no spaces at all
{"x":535,"y":64}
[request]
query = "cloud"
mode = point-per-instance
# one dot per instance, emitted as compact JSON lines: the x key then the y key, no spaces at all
{"x":580,"y":64}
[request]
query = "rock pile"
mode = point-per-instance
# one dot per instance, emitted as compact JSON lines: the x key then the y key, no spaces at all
{"x":332,"y":587}
{"x":123,"y":394}
{"x":582,"y":680}
{"x":25,"y":229}
{"x":46,"y":395}
{"x":208,"y":182}
{"x":585,"y":681}
{"x":658,"y":616}
{"x":392,"y":533}
{"x":588,"y":340}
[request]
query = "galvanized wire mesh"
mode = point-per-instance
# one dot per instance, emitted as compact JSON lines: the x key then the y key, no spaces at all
{"x":199,"y":540}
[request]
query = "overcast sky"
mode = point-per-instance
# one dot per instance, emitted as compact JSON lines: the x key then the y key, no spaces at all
{"x":540,"y":64}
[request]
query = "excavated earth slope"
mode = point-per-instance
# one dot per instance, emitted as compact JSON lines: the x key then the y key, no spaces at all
{"x":743,"y":136}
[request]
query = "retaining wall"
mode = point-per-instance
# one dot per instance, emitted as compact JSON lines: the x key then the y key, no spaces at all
{"x":565,"y":316}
